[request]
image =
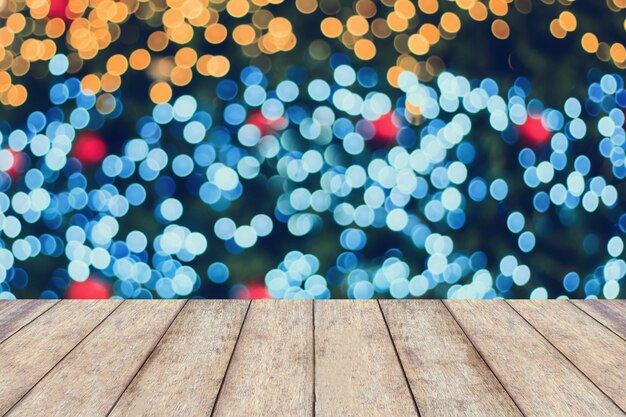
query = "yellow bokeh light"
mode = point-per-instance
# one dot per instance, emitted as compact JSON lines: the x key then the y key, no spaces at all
{"x":567,"y":21}
{"x":365,"y":49}
{"x":139,"y":59}
{"x":160,"y":92}
{"x":117,"y":64}
{"x":589,"y":43}
{"x":331,"y":27}
{"x":357,"y":25}
{"x":500,"y":29}
{"x":279,"y":27}
{"x":418,"y":44}
{"x":450,"y":22}
{"x":237,"y":8}
{"x":428,"y":6}
{"x":215,"y":33}
{"x":557,"y":30}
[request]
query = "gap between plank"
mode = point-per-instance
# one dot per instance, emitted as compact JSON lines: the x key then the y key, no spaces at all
{"x":230,"y":360}
{"x":64,"y":356}
{"x":604,"y":325}
{"x":493,"y":372}
{"x":148,"y":356}
{"x":565,"y":356}
{"x":26,"y":324}
{"x":314,"y":369}
{"x":395,"y":349}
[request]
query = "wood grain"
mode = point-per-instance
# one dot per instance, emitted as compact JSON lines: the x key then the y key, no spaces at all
{"x":357,"y":372}
{"x":446,"y":374}
{"x":93,"y":376}
{"x":271,"y":372}
{"x":610,"y":313}
{"x":539,"y":378}
{"x":192,"y":358}
{"x":16,"y":314}
{"x":27,"y":356}
{"x":562,"y":324}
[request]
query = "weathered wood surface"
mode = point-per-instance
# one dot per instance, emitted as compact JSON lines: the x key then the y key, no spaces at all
{"x":446,"y":374}
{"x":538,"y":377}
{"x":562,"y":324}
{"x":271,"y":371}
{"x":24,"y":360}
{"x":304,"y":359}
{"x":357,"y":370}
{"x":192,"y":356}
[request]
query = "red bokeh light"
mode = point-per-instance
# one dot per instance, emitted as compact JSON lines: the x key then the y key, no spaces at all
{"x":385,"y":129}
{"x":89,"y":148}
{"x":91,"y":289}
{"x":57,"y":9}
{"x":265,"y":125}
{"x":252,"y":291}
{"x":532,"y":132}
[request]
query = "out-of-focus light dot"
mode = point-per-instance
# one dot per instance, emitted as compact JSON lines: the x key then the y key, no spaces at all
{"x":521,"y":275}
{"x":262,"y":224}
{"x":539,"y":294}
{"x":353,"y":239}
{"x":477,"y":189}
{"x":515,"y":222}
{"x":136,"y":241}
{"x":418,"y":285}
{"x":58,"y":64}
{"x":245,"y":236}
{"x":226,"y":178}
{"x":78,"y":270}
{"x":545,"y":172}
{"x":254,"y":95}
{"x":609,"y":195}
{"x":249,"y":135}
{"x":218,"y":272}
{"x":611,"y":290}
{"x":397,"y":219}
{"x":399,"y":288}
{"x":318,"y":90}
{"x":224,"y":228}
{"x":451,"y":199}
{"x":182,"y":165}
{"x":287,"y":91}
{"x":526,"y":241}
{"x":615,"y":246}
{"x":499,"y":189}
{"x":234,"y":114}
{"x":571,"y":281}
{"x":272,"y":109}
{"x":136,"y":194}
{"x":344,"y":75}
{"x":194,"y":132}
{"x":182,"y":284}
{"x":171,"y":209}
{"x":363,"y":290}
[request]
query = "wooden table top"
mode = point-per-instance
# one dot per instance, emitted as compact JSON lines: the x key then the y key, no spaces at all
{"x":302,"y":358}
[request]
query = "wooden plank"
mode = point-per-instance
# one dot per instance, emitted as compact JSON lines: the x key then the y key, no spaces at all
{"x":26,"y":357}
{"x":271,"y":371}
{"x":596,"y":351}
{"x":539,"y":378}
{"x":446,"y":374}
{"x":93,"y":376}
{"x":183,"y":375}
{"x":610,"y":313}
{"x":15,"y":314}
{"x":357,"y":372}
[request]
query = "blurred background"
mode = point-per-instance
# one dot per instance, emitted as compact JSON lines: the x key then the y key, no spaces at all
{"x":305,"y":149}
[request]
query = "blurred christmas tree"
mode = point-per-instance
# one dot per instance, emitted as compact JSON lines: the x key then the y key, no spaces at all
{"x":312,"y":149}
